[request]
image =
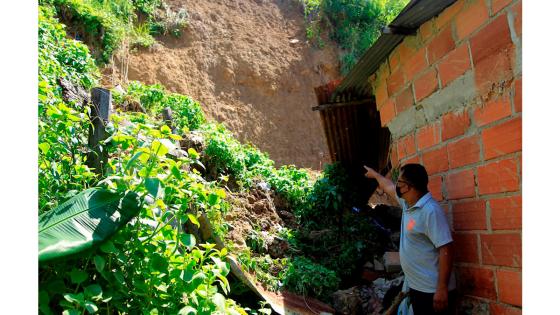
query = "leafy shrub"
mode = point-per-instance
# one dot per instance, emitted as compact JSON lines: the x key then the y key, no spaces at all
{"x":167,"y":21}
{"x":94,"y":24}
{"x":303,"y":276}
{"x":106,"y":24}
{"x":150,"y":265}
{"x":353,"y":24}
{"x":63,"y":126}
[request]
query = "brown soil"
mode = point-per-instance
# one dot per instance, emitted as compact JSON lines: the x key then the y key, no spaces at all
{"x":255,"y":212}
{"x":249,"y":65}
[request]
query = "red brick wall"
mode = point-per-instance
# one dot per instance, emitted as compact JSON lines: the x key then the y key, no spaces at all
{"x":468,"y":136}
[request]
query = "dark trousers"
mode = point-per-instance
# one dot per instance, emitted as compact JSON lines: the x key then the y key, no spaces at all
{"x":423,"y":303}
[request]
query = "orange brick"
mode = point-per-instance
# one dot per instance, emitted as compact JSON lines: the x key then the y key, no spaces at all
{"x":469,"y":215}
{"x":454,"y":64}
{"x":498,"y":177}
{"x":497,"y":5}
{"x":405,"y":51}
{"x":464,"y":152}
{"x":406,"y":146}
{"x":492,"y":72}
{"x":499,"y":309}
{"x":404,"y":100}
{"x":491,"y":39}
{"x":509,"y":287}
{"x":445,"y":17}
{"x":502,"y":139}
{"x":471,"y":18}
{"x":387,"y":112}
{"x":492,"y":111}
{"x":460,"y":185}
{"x":394,"y":60}
{"x":428,"y":136}
{"x":381,"y":93}
{"x":435,"y":187}
{"x":454,"y":125}
{"x":466,"y":248}
{"x":477,"y":282}
{"x":436,"y":160}
{"x":440,"y":45}
{"x":517,"y":99}
{"x":506,"y":213}
{"x":501,"y":249}
{"x":426,"y":30}
{"x":395,"y":81}
{"x":413,"y":159}
{"x":415,"y":64}
{"x":425,"y":85}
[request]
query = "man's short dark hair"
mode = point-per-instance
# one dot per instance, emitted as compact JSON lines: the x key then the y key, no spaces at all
{"x":416,"y":175}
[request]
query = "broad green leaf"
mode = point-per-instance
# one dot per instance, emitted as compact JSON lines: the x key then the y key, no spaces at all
{"x":94,"y":292}
{"x":159,"y":149}
{"x":74,"y":298}
{"x":158,"y":263}
{"x":44,"y":147}
{"x":192,"y":153}
{"x":221,"y":193}
{"x":224,"y":269}
{"x":175,"y":137}
{"x":153,"y":186}
{"x":135,"y":157}
{"x":71,"y":312}
{"x":108,"y":247}
{"x":187,"y":310}
{"x":193,"y":219}
{"x":78,"y":276}
{"x":165,"y":129}
{"x":99,"y":263}
{"x":91,"y":307}
{"x":213,"y":199}
{"x":84,"y":221}
{"x":188,"y":240}
{"x":176,"y":172}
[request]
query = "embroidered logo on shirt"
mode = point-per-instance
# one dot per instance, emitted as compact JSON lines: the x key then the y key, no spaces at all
{"x":410,"y":225}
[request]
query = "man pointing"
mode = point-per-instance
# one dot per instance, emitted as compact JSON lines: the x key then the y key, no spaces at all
{"x":425,"y":250}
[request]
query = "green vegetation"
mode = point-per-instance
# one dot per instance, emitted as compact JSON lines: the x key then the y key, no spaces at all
{"x":105,"y":25}
{"x":353,"y":24}
{"x":149,"y":265}
{"x":62,"y":126}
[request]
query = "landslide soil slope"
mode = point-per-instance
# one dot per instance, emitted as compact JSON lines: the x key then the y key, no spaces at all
{"x":249,"y":65}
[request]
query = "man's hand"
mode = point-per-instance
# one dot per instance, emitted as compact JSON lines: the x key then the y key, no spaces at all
{"x":384,"y":183}
{"x":370,"y":172}
{"x":440,"y":300}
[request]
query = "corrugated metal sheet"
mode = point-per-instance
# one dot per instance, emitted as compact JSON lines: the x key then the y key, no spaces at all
{"x":412,"y":16}
{"x":353,"y":130}
{"x":348,"y":113}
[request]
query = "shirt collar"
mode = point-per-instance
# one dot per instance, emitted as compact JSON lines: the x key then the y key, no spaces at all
{"x":421,"y":202}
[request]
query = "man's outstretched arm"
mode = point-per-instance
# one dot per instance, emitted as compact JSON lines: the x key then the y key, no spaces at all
{"x":384,"y":183}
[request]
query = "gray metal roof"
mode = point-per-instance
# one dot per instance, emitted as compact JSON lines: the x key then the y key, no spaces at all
{"x":409,"y":20}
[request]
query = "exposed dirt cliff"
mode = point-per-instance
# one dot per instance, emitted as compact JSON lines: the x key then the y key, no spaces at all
{"x":248,"y":63}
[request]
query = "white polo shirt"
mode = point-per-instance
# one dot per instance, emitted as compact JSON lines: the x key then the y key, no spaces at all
{"x":424,"y":229}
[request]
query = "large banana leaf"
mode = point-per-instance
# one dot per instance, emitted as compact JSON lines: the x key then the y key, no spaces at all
{"x":83,"y":221}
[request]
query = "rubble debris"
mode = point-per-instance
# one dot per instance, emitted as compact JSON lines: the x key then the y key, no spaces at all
{"x":347,"y":301}
{"x":373,"y":298}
